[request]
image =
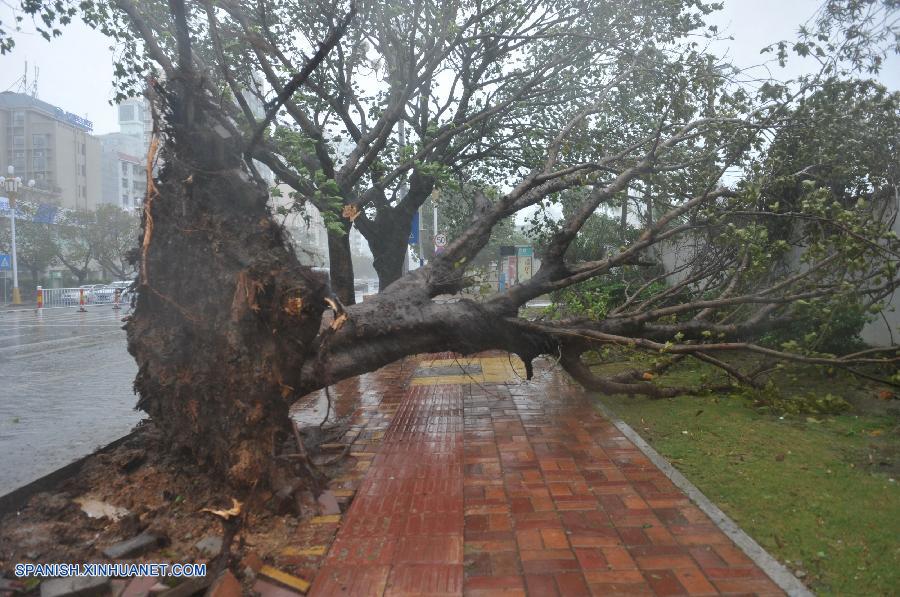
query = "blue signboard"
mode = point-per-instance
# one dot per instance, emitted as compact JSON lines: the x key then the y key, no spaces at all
{"x":414,"y":230}
{"x":5,"y":261}
{"x":74,"y":119}
{"x":6,"y":211}
{"x":46,"y":214}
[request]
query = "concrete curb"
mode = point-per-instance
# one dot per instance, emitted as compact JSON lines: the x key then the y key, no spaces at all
{"x":779,"y":574}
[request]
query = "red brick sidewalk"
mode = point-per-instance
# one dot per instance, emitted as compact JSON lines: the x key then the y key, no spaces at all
{"x":487,"y":485}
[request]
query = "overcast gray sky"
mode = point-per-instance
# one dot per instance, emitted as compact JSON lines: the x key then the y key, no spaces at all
{"x":75,"y":70}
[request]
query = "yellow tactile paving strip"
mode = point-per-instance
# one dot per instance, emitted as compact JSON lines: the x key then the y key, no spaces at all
{"x":493,"y":370}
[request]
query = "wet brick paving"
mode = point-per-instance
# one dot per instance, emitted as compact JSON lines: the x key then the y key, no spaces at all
{"x":485,"y":484}
{"x":65,"y":389}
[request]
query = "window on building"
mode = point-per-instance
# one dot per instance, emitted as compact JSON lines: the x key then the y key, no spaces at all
{"x":18,"y":119}
{"x":38,"y":163}
{"x":83,"y":191}
{"x":126,"y":112}
{"x":124,"y":168}
{"x":18,"y":141}
{"x":39,"y":141}
{"x":83,"y":170}
{"x":83,"y":149}
{"x":126,"y":200}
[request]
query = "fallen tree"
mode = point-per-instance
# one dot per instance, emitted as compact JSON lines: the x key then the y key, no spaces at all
{"x":228,"y":327}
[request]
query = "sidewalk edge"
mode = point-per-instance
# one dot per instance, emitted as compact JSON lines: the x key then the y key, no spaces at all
{"x":779,"y":574}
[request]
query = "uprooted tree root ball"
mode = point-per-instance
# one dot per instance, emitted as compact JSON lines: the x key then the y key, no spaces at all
{"x":140,"y":489}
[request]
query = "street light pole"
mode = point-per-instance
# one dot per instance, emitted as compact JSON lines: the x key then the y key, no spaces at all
{"x":12,"y":184}
{"x":16,"y":295}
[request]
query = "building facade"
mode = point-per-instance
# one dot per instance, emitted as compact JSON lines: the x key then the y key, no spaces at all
{"x":124,"y":170}
{"x":136,"y":120}
{"x":307,"y":230}
{"x":54,"y":148}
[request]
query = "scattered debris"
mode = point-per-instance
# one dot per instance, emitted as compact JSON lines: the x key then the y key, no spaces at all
{"x":97,"y":509}
{"x":226,"y":586}
{"x":289,"y":580}
{"x":328,"y":504}
{"x":251,"y":563}
{"x":9,"y":585}
{"x":261,"y":587}
{"x":134,"y":546}
{"x":50,"y":503}
{"x":210,"y":545}
{"x":188,"y":587}
{"x":134,"y":463}
{"x":139,"y":586}
{"x":234,"y":511}
{"x":80,"y":586}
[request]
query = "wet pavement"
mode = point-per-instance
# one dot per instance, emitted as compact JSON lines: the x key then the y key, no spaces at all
{"x":468,"y":480}
{"x":65,"y":389}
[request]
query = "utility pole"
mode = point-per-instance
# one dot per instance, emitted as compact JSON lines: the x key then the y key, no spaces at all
{"x":403,"y":190}
{"x":434,"y":197}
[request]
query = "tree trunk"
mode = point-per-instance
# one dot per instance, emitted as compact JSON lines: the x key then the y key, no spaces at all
{"x":225,"y":315}
{"x":388,"y":263}
{"x":341,"y":264}
{"x":388,"y":237}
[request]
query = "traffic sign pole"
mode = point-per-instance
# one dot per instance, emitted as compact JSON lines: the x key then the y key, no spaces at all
{"x":16,"y":296}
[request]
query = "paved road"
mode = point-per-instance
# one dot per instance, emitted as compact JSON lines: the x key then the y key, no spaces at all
{"x":65,"y":389}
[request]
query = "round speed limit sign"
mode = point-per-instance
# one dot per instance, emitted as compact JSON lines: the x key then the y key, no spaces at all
{"x":440,"y":240}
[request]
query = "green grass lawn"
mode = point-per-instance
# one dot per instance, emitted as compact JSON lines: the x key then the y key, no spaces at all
{"x":818,"y":492}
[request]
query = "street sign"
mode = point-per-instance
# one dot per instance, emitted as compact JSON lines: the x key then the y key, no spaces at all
{"x":5,"y":261}
{"x":46,"y":214}
{"x":440,"y":239}
{"x":414,"y":230}
{"x":524,"y":263}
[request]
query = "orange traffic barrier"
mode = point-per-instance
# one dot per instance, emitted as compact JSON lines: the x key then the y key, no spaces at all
{"x":40,"y":298}
{"x":81,"y":300}
{"x":116,"y":300}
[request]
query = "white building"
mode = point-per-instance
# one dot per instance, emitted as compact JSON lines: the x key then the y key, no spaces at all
{"x":124,"y":177}
{"x":307,"y":228}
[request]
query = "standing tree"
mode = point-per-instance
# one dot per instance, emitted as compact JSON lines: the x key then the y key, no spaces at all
{"x":533,"y":98}
{"x":74,"y":248}
{"x":414,"y":93}
{"x":113,"y":234}
{"x":36,"y":242}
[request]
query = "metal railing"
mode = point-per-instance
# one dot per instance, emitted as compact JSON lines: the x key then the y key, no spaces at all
{"x":53,"y":298}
